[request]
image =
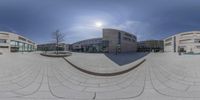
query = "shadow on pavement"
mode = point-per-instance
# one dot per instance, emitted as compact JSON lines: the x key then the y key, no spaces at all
{"x":125,"y":58}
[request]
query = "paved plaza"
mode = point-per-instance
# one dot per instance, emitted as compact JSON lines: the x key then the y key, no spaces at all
{"x":162,"y":76}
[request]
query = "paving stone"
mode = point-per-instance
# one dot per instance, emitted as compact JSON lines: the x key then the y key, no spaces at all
{"x":164,"y":76}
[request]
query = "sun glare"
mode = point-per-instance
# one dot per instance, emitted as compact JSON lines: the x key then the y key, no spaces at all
{"x":98,"y":24}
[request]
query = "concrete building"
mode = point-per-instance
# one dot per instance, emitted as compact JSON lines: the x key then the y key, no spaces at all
{"x":112,"y":41}
{"x":184,"y":42}
{"x":11,"y":42}
{"x":53,"y":47}
{"x":89,"y":45}
{"x":150,"y":46}
{"x":119,"y":40}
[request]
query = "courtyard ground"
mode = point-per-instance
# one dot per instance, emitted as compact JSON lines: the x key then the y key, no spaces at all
{"x":163,"y":76}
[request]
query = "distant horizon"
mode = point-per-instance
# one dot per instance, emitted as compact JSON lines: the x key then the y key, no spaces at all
{"x":94,"y":37}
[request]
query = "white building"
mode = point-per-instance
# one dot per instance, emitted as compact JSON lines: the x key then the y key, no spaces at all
{"x":11,"y":42}
{"x":186,"y":41}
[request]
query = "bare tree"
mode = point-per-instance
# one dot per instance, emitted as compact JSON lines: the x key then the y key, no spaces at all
{"x":58,"y":37}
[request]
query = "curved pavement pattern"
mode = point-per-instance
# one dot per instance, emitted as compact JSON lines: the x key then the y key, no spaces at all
{"x":114,"y":72}
{"x":165,"y":76}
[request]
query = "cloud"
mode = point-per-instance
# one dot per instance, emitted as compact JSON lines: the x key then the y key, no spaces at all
{"x":137,"y":28}
{"x":81,"y":32}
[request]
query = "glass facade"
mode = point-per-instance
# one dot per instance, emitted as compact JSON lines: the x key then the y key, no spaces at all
{"x":20,"y":46}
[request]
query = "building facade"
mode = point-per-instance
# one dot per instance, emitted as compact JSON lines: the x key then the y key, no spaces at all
{"x":112,"y":41}
{"x":11,"y":42}
{"x":120,"y":41}
{"x":53,"y":47}
{"x":150,"y":46}
{"x":184,"y":42}
{"x":89,"y":45}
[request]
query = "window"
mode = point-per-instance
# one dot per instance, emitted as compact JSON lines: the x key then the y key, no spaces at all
{"x":133,"y":40}
{"x":119,"y":38}
{"x":3,"y":41}
{"x":168,"y":44}
{"x":4,"y":33}
{"x":30,"y":41}
{"x":134,"y":37}
{"x":186,"y":34}
{"x":196,"y":40}
{"x":169,"y":39}
{"x":127,"y":39}
{"x":14,"y":43}
{"x":3,"y":46}
{"x":198,"y":47}
{"x":129,"y":35}
{"x":21,"y":38}
{"x":21,"y":46}
{"x":26,"y":47}
{"x":186,"y":41}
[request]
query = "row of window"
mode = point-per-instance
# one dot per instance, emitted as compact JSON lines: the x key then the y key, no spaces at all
{"x":168,"y":44}
{"x":186,"y":34}
{"x":3,"y":41}
{"x":190,"y":41}
{"x":21,"y":38}
{"x":4,"y":47}
{"x":130,"y":36}
{"x":21,"y":46}
{"x":169,"y":39}
{"x":90,"y":41}
{"x":4,"y":33}
{"x":128,"y":39}
{"x":196,"y":40}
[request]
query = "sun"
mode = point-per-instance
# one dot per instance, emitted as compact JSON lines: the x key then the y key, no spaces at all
{"x":98,"y":24}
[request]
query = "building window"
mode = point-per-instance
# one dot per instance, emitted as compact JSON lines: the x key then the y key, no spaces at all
{"x":3,"y":40}
{"x":25,"y":47}
{"x":133,"y":40}
{"x":198,"y":47}
{"x":3,"y":46}
{"x":168,"y":44}
{"x":21,"y":38}
{"x":127,"y":39}
{"x":30,"y":41}
{"x":4,"y":33}
{"x":134,"y":37}
{"x":129,"y":35}
{"x":21,"y":46}
{"x":174,"y":44}
{"x":186,"y":41}
{"x":14,"y":43}
{"x":186,"y":34}
{"x":169,"y":39}
{"x":119,"y":38}
{"x":196,"y":40}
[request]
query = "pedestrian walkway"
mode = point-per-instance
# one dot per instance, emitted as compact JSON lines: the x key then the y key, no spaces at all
{"x":163,"y":76}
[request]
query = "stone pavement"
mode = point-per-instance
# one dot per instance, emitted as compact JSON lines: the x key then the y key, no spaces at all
{"x":163,"y":76}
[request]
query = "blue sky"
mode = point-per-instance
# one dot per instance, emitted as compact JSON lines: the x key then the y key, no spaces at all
{"x":147,"y":19}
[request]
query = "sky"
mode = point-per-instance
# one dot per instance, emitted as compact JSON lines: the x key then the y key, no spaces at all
{"x":147,"y":19}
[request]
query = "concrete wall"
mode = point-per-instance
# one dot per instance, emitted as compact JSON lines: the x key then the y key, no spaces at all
{"x":112,"y":35}
{"x":8,"y":36}
{"x":189,"y":41}
{"x":169,"y":44}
